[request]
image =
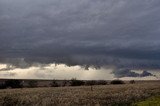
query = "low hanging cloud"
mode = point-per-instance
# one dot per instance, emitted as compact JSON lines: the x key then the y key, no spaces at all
{"x":128,"y":73}
{"x":90,"y":33}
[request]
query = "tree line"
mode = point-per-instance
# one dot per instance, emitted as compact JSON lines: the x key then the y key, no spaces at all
{"x":54,"y":83}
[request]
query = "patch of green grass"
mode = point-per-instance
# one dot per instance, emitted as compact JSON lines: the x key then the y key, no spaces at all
{"x":153,"y":101}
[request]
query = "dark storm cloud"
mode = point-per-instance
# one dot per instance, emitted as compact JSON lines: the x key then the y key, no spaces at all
{"x":128,"y":73}
{"x":118,"y":33}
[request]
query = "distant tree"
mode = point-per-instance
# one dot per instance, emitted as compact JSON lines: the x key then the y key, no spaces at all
{"x":101,"y":82}
{"x":2,"y":86}
{"x":131,"y":81}
{"x":33,"y":83}
{"x":92,"y":82}
{"x":75,"y":82}
{"x":14,"y":83}
{"x":117,"y":82}
{"x":64,"y":83}
{"x":54,"y":83}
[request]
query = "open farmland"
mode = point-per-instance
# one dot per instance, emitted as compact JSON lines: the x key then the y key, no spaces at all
{"x":123,"y":94}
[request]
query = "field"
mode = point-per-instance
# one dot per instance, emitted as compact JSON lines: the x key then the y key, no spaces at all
{"x":101,"y":95}
{"x":153,"y":101}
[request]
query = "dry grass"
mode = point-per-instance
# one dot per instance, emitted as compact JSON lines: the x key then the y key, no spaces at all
{"x":74,"y":96}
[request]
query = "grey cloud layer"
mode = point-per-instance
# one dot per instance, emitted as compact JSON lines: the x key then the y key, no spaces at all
{"x":128,"y":73}
{"x":120,"y":33}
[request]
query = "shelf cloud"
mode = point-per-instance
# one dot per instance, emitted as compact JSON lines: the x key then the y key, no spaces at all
{"x":122,"y":34}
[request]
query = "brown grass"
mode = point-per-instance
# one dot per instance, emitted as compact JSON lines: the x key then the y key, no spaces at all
{"x":73,"y":96}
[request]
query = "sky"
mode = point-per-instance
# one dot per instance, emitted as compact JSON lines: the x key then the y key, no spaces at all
{"x":87,"y":39}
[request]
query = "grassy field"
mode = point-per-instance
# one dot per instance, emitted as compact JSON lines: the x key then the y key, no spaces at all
{"x":110,"y":95}
{"x":152,"y":101}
